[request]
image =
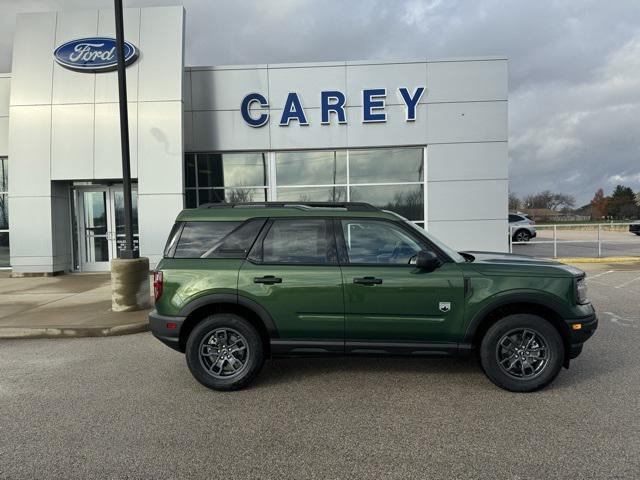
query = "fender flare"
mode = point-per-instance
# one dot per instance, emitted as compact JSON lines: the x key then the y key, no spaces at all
{"x":538,"y":299}
{"x":217,"y":298}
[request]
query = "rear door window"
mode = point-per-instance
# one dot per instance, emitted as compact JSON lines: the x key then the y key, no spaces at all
{"x":217,"y":239}
{"x":299,"y":241}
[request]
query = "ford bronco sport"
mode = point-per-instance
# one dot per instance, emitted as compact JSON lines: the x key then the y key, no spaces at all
{"x":240,"y":283}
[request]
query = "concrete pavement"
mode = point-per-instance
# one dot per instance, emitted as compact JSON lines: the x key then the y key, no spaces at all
{"x":127,"y":407}
{"x":74,"y":305}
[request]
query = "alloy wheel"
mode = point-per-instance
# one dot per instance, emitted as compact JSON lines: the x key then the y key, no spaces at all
{"x":224,"y":353}
{"x":522,"y":353}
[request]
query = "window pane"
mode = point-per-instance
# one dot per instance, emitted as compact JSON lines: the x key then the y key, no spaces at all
{"x":198,"y":237}
{"x":312,"y":194}
{"x":4,"y":212}
{"x":232,"y":195}
{"x":386,"y":165}
{"x":238,"y":242}
{"x":377,"y":242}
{"x":190,"y":170}
{"x":231,"y":169}
{"x":311,"y":168}
{"x":4,"y":249}
{"x":297,"y":241}
{"x":405,"y":200}
{"x":4,"y":175}
{"x":190,"y":200}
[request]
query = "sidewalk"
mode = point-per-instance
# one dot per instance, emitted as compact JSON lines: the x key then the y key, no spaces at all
{"x":72,"y":305}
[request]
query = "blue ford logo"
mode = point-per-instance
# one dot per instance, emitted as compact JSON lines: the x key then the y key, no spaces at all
{"x":96,"y":54}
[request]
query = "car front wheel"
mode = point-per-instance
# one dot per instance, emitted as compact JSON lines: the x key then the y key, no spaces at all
{"x":522,"y":353}
{"x":224,"y":352}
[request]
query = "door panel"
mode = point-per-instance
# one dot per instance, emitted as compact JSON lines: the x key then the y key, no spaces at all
{"x":387,"y":299}
{"x":405,"y":306}
{"x":292,"y":272}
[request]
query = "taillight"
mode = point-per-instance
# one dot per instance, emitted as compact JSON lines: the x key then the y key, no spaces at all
{"x":157,"y":285}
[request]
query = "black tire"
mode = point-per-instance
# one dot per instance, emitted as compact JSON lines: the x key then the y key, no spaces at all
{"x":522,"y":377}
{"x":206,"y":368}
{"x":522,"y":235}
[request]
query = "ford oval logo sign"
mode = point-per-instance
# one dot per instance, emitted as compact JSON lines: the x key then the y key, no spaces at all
{"x":96,"y":54}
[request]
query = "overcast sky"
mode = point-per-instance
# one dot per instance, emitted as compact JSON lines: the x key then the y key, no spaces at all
{"x":574,"y":99}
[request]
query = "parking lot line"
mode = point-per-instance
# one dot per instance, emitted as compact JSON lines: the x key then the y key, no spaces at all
{"x":622,"y":285}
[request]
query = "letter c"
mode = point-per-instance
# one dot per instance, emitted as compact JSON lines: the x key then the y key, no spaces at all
{"x":246,"y":106}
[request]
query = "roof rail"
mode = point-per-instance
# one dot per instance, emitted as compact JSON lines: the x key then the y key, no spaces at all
{"x":349,"y":206}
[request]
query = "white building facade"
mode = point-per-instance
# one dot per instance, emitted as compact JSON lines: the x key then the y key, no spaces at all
{"x":426,"y":138}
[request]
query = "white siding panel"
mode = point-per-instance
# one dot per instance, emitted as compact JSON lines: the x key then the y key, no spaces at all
{"x":160,"y":147}
{"x":4,"y":136}
{"x":161,"y":53}
{"x":70,"y":86}
{"x":306,"y":82}
{"x":225,"y":89}
{"x":467,"y":161}
{"x":108,"y":155}
{"x":467,"y":200}
{"x":34,"y":241}
{"x":389,"y":76}
{"x":156,"y":215}
{"x":314,"y":135}
{"x":227,"y":130}
{"x":29,"y":151}
{"x":32,"y":68}
{"x":107,"y":82}
{"x":72,"y":142}
{"x":467,"y":81}
{"x":467,"y":122}
{"x":395,"y":131}
{"x":5,"y":92}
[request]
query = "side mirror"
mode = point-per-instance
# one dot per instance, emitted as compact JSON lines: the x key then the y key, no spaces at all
{"x":427,"y":261}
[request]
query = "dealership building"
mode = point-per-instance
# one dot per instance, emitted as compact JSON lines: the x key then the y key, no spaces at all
{"x":425,"y":138}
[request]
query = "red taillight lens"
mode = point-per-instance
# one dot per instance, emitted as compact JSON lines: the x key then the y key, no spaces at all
{"x":157,"y":285}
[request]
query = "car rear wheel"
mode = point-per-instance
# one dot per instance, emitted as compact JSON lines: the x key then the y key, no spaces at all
{"x":224,"y":352}
{"x":522,"y":353}
{"x":522,"y":236}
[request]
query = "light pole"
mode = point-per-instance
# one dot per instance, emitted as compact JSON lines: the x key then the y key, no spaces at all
{"x":129,"y":273}
{"x":128,"y":252}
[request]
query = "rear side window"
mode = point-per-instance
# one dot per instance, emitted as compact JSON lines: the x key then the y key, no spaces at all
{"x":299,"y":241}
{"x":515,"y":218}
{"x":172,"y":240}
{"x":217,"y":239}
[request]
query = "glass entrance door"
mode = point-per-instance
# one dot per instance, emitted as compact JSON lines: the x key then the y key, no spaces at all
{"x":100,"y":220}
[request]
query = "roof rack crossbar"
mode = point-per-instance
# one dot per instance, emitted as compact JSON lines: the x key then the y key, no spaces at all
{"x":350,"y":206}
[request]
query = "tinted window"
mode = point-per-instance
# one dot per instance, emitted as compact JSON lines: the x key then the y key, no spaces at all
{"x":172,"y":240}
{"x":238,"y":243}
{"x":198,"y":238}
{"x":298,"y":241}
{"x":515,"y":218}
{"x":370,"y":241}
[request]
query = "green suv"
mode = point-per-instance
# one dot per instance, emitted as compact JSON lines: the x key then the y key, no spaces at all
{"x":240,"y":283}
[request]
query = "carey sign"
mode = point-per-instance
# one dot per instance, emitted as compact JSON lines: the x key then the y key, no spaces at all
{"x":332,"y":104}
{"x":96,"y":54}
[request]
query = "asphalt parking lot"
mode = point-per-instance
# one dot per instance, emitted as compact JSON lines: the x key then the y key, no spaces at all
{"x":127,"y":407}
{"x":581,"y":243}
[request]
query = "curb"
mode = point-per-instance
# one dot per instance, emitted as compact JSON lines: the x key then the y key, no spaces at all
{"x":70,"y":332}
{"x":598,"y":260}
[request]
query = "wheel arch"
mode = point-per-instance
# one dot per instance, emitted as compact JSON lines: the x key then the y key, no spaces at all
{"x":207,"y":305}
{"x":513,"y":304}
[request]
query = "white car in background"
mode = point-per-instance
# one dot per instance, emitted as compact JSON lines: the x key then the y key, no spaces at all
{"x":521,"y":227}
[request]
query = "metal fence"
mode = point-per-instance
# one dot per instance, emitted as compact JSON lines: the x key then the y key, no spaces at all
{"x":578,"y":240}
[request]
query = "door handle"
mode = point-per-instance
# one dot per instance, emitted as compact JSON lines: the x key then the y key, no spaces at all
{"x":367,"y":281}
{"x":267,"y":280}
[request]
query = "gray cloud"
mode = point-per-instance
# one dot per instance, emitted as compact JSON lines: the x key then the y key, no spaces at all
{"x":574,"y":66}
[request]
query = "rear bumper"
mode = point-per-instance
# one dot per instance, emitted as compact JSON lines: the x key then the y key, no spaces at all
{"x":578,"y":337}
{"x":634,"y":228}
{"x":166,"y":329}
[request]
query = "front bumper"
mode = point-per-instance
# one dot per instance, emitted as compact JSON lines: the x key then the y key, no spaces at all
{"x":578,"y":337}
{"x":634,"y":228}
{"x":166,"y":329}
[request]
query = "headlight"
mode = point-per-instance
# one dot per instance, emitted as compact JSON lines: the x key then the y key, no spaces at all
{"x":581,"y":291}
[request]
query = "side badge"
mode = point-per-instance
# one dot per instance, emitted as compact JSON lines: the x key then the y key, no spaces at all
{"x":444,"y":306}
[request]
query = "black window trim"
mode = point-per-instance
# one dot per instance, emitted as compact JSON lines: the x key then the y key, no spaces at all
{"x":256,"y":253}
{"x":343,"y":256}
